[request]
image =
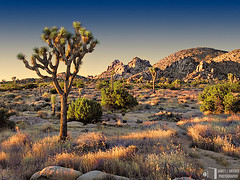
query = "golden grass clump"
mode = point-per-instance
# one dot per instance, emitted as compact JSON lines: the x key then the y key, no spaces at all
{"x":91,"y":141}
{"x":17,"y":140}
{"x":70,"y":160}
{"x":220,"y":135}
{"x":151,"y":134}
{"x":43,"y":147}
{"x":114,"y":153}
{"x":90,"y":137}
{"x":89,"y":160}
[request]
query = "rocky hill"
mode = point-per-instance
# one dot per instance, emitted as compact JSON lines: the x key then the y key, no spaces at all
{"x":188,"y":64}
{"x":135,"y":66}
{"x":230,"y":56}
{"x":197,"y":54}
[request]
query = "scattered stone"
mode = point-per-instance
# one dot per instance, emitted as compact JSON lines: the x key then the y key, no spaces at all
{"x":183,"y":178}
{"x":165,"y":116}
{"x":28,"y":119}
{"x":98,"y":175}
{"x":56,"y":173}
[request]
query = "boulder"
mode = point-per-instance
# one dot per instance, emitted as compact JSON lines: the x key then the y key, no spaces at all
{"x":183,"y":178}
{"x":56,"y":173}
{"x":98,"y":175}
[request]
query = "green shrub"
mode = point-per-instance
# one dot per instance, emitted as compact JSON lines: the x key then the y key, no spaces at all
{"x":219,"y":98}
{"x":10,"y":87}
{"x":102,"y":84}
{"x":4,"y":122}
{"x":85,"y":111}
{"x":118,"y":97}
{"x":30,"y":86}
{"x":80,"y":84}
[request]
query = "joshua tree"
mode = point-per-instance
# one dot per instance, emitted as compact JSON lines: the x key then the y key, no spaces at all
{"x":53,"y":101}
{"x":63,"y":47}
{"x":231,"y":77}
{"x":154,"y":74}
{"x":14,"y":80}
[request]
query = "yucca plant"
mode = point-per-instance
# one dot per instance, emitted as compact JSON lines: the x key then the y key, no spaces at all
{"x":65,"y":47}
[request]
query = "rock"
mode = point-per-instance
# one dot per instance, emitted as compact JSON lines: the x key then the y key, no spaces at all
{"x":41,"y":104}
{"x":183,"y":178}
{"x":135,"y":66}
{"x":98,"y":175}
{"x":56,"y":173}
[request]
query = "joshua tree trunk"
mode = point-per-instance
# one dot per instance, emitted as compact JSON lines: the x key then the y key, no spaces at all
{"x":154,"y":85}
{"x":53,"y":110}
{"x":154,"y":74}
{"x":63,"y":121}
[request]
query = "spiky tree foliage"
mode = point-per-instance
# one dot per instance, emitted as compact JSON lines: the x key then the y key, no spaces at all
{"x":62,"y":47}
{"x":230,"y":77}
{"x":153,"y":72}
{"x":14,"y":80}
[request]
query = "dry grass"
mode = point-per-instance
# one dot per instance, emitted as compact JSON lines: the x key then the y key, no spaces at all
{"x":149,"y":154}
{"x":158,"y":133}
{"x":18,"y":140}
{"x":220,"y":135}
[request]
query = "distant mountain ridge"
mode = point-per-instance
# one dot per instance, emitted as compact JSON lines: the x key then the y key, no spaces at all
{"x":193,"y":63}
{"x":198,"y":54}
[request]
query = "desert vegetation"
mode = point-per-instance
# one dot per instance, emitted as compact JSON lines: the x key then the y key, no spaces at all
{"x":126,"y":131}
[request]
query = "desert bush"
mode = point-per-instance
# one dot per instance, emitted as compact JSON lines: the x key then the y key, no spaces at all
{"x":18,"y":141}
{"x":70,"y":160}
{"x":10,"y":87}
{"x":30,"y":86}
{"x":219,"y":98}
{"x":79,"y":84}
{"x":118,"y":97}
{"x":4,"y":122}
{"x":198,"y":82}
{"x":102,"y":84}
{"x":220,"y":135}
{"x":85,"y":111}
{"x":91,"y":141}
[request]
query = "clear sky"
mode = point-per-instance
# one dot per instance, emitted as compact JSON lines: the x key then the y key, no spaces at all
{"x":149,"y":29}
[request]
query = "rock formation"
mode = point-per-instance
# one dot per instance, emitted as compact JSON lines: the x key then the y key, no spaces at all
{"x":188,"y":64}
{"x":135,"y":66}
